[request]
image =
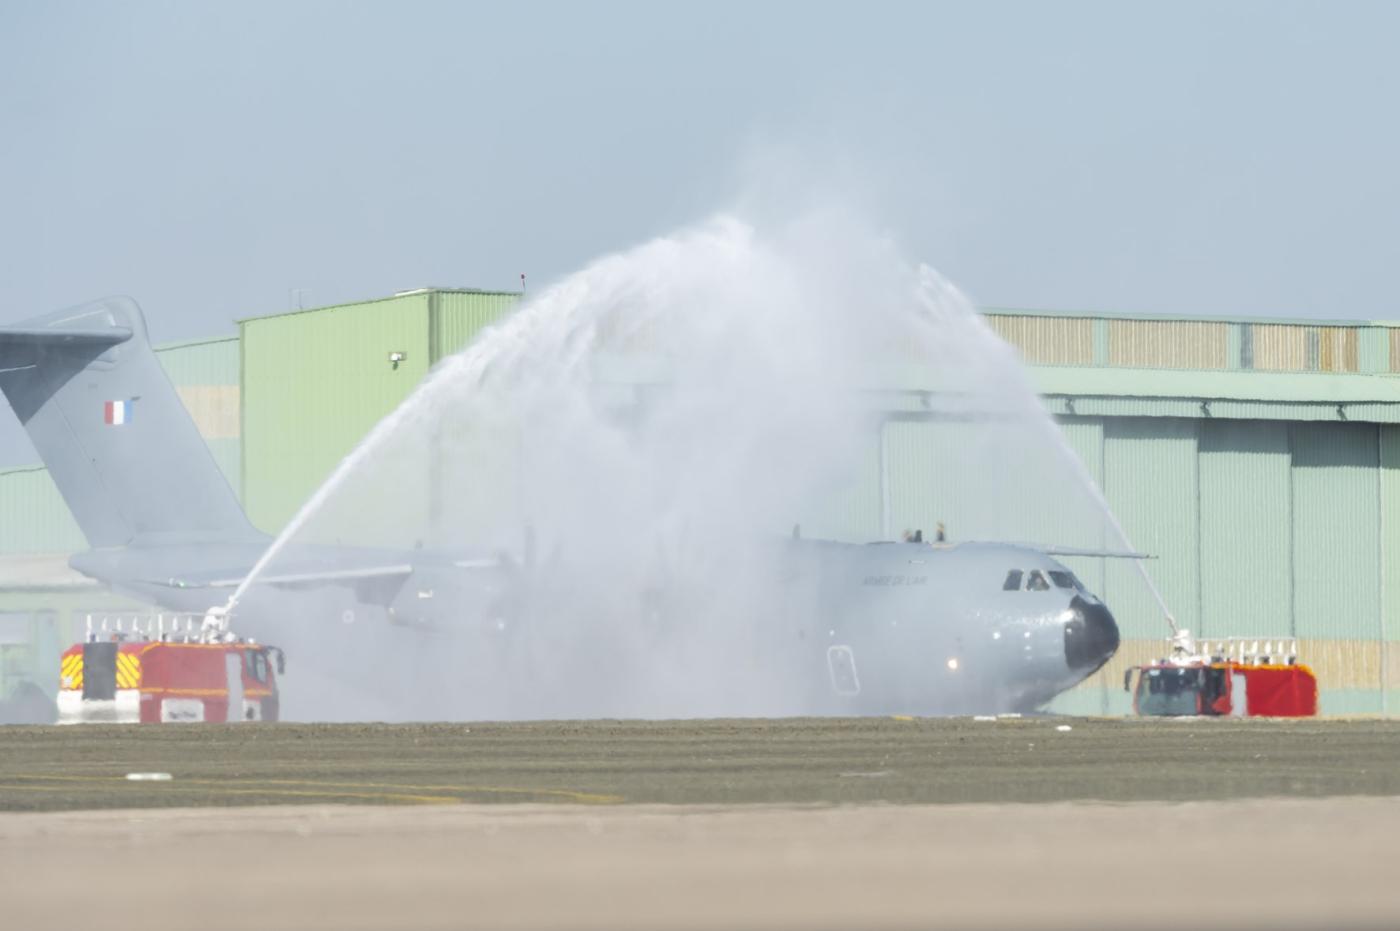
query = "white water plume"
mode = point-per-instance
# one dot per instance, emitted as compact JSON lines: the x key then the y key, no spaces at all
{"x":601,"y":478}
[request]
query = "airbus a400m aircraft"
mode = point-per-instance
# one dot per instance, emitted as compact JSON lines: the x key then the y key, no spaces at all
{"x":869,"y":628}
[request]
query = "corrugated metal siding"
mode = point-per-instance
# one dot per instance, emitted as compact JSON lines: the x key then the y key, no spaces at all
{"x":934,"y":472}
{"x":961,"y":474}
{"x":34,"y":517}
{"x":1178,"y":344}
{"x":1085,"y":438}
{"x":1390,"y":531}
{"x":1150,"y":481}
{"x":215,"y":409}
{"x":1336,"y":531}
{"x":1373,"y":349}
{"x":1225,"y":410}
{"x":1280,"y":348}
{"x":1337,"y":349}
{"x":1245,"y":525}
{"x":1284,"y":348}
{"x":1048,"y":340}
{"x":203,"y":362}
{"x":205,"y":373}
{"x":925,"y":483}
{"x":314,"y":384}
{"x":458,"y":316}
{"x":1343,"y":664}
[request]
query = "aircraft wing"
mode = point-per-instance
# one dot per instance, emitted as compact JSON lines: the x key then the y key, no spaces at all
{"x":1074,"y":551}
{"x":289,"y":579}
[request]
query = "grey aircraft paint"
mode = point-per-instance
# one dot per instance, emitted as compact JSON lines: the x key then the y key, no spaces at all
{"x":866,"y":628}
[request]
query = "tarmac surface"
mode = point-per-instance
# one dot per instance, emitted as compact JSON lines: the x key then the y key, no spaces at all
{"x":799,"y":761}
{"x":1279,"y":864}
{"x":703,"y":824}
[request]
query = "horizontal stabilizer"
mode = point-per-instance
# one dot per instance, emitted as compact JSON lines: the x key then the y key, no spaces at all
{"x":22,"y":347}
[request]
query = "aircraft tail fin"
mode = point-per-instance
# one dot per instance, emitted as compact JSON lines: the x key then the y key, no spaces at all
{"x":119,"y":443}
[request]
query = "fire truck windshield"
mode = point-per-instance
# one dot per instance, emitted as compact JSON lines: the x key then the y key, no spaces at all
{"x":1169,"y":691}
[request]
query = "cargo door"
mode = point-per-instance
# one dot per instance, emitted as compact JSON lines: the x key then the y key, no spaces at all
{"x":233,"y":670}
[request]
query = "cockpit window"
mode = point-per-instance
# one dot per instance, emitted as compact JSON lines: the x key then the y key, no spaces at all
{"x":1064,"y":579}
{"x":1013,"y":581}
{"x":1037,"y":583}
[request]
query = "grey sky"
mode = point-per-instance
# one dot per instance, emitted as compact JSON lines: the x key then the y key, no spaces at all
{"x":1230,"y":158}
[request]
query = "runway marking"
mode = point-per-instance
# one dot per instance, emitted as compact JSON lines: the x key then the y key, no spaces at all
{"x":411,"y":792}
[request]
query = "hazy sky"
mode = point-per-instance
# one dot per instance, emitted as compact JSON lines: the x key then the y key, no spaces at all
{"x":207,"y":159}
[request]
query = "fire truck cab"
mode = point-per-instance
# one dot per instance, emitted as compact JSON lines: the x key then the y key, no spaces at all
{"x":129,"y":672}
{"x":1243,"y":678}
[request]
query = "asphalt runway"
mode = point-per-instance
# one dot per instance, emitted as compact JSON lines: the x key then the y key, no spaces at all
{"x":810,"y":824}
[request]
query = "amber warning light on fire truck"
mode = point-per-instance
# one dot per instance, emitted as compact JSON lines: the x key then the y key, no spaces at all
{"x":167,"y":669}
{"x":1241,"y":677}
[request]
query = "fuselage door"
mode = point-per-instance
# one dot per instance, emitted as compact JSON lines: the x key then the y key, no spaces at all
{"x":841,"y":663}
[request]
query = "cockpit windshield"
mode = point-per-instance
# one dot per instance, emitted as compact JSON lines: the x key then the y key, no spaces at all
{"x":1169,"y":692}
{"x":1035,"y":580}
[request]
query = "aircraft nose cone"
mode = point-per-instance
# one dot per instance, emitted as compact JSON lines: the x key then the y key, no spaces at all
{"x":1091,"y":636}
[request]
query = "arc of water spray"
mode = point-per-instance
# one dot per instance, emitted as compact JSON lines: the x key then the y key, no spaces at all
{"x":933,"y":285}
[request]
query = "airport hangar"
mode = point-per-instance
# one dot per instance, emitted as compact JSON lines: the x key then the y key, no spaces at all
{"x":1258,"y":460}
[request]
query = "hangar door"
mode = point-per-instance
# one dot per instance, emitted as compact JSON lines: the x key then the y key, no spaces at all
{"x":1246,"y":516}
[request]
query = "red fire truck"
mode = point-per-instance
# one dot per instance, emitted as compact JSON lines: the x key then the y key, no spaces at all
{"x":1236,"y":676}
{"x":163,"y":669}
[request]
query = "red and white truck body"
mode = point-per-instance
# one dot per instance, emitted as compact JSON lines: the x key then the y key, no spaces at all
{"x":1234,"y":677}
{"x":126,"y":675}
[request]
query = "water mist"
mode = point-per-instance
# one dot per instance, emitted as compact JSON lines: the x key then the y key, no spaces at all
{"x":614,"y":463}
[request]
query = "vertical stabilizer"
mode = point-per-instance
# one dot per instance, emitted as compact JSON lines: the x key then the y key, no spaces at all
{"x":120,"y":445}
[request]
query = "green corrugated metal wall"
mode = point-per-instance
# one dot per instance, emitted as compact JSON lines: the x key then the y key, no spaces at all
{"x":949,"y":471}
{"x":201,"y":362}
{"x":458,"y":316}
{"x":335,"y":363}
{"x":1085,"y":438}
{"x":1245,"y":525}
{"x":1336,"y":531}
{"x":1160,"y":455}
{"x":1390,"y":529}
{"x":35,"y":518}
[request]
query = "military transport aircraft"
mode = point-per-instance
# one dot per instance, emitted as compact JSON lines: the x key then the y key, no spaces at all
{"x":904,"y":627}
